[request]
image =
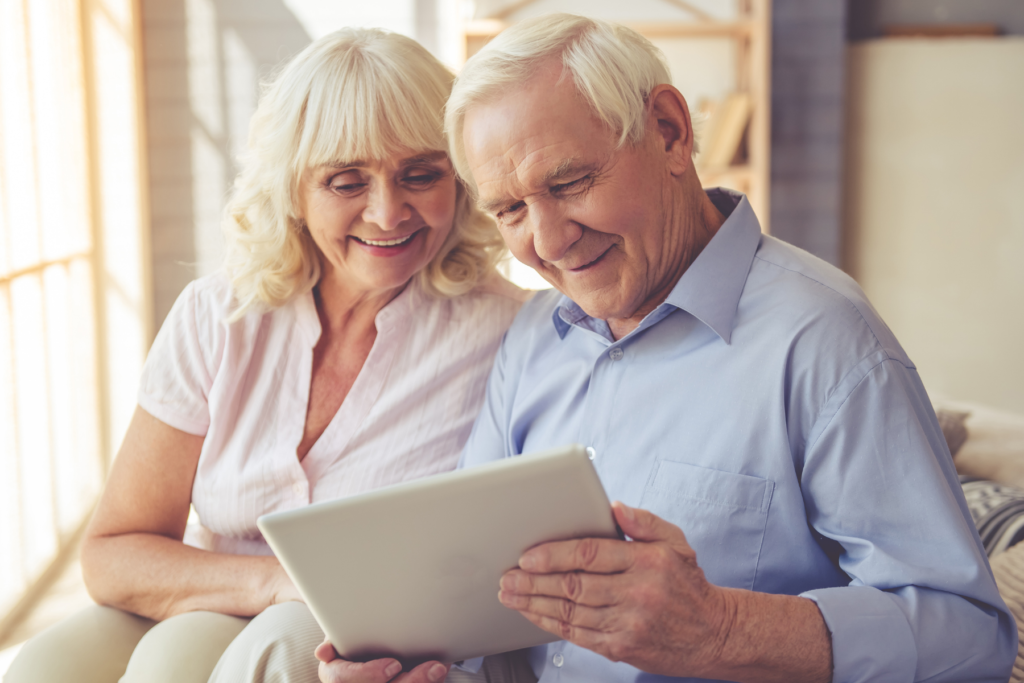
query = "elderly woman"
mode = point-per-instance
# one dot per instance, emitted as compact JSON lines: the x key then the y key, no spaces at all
{"x":345,"y":347}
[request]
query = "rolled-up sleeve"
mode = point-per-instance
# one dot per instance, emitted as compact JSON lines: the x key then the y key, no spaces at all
{"x":878,"y":480}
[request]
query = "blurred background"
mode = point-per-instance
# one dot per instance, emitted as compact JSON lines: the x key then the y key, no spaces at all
{"x":884,"y":136}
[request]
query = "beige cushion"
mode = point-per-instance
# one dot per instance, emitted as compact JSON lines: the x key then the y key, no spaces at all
{"x":995,"y":443}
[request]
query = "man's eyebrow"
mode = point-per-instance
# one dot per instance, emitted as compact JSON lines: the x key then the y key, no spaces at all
{"x":568,"y":168}
{"x":493,"y":205}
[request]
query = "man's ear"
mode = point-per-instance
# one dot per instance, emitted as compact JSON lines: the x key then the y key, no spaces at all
{"x":671,"y":118}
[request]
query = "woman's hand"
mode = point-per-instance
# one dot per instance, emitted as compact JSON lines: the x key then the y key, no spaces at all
{"x":334,"y":669}
{"x":133,"y":557}
{"x":282,"y":589}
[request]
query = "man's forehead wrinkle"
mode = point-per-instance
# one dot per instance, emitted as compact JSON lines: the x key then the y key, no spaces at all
{"x":494,"y":181}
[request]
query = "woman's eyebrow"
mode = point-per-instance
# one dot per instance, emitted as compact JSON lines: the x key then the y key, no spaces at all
{"x":344,"y":164}
{"x":428,"y":158}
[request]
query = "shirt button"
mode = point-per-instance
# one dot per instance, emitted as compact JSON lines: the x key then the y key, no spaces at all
{"x":615,"y":354}
{"x":558,"y":660}
{"x":298,"y":488}
{"x":591,"y":453}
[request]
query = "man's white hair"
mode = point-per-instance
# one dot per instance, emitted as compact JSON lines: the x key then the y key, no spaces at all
{"x":614,"y":69}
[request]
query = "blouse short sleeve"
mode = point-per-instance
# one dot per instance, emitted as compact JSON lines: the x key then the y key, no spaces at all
{"x":182,"y":363}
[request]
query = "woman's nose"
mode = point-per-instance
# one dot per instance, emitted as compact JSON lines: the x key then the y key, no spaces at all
{"x":386,"y":207}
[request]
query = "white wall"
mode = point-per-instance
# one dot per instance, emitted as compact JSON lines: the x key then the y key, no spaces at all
{"x":935,"y":206}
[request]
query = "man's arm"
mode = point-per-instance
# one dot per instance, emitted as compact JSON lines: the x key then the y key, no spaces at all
{"x":881,"y":491}
{"x":880,"y":486}
{"x":646,"y":602}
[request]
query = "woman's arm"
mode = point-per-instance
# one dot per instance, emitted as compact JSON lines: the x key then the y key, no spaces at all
{"x":133,"y":557}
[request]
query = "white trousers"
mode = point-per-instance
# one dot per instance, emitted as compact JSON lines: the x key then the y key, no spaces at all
{"x":106,"y":645}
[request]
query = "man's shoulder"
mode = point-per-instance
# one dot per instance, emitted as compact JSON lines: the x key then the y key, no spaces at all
{"x":811,"y":294}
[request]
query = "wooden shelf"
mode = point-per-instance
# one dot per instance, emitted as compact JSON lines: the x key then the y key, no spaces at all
{"x":488,"y":28}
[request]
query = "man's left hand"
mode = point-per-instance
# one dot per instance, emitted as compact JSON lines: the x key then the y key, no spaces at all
{"x":644,"y":602}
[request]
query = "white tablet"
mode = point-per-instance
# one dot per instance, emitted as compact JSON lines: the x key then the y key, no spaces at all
{"x":411,"y":571}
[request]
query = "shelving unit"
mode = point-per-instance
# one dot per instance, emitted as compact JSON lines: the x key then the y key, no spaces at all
{"x":749,"y":170}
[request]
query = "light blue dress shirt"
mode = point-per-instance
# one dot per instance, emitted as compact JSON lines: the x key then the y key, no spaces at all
{"x":766,"y":410}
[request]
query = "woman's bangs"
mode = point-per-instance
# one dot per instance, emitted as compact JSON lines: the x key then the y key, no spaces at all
{"x":370,"y":116}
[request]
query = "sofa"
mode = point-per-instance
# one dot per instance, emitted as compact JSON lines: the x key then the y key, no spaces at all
{"x":988,"y":451}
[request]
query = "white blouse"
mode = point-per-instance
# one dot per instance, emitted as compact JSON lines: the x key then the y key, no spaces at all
{"x":245,"y":387}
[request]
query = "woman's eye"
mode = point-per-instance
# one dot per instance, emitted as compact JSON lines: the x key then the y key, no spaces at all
{"x":347,"y":187}
{"x":346,"y":183}
{"x":420,"y":179}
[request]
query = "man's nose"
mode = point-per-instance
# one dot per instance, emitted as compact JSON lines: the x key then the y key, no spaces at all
{"x":553,"y":232}
{"x":386,"y":207}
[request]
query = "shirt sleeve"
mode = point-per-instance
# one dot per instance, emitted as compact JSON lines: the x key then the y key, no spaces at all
{"x":488,"y":440}
{"x":881,"y":489}
{"x":180,"y":367}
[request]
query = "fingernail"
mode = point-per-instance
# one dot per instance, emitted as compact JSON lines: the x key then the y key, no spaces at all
{"x":437,"y":673}
{"x":627,"y":512}
{"x":392,"y":669}
{"x":527,"y":562}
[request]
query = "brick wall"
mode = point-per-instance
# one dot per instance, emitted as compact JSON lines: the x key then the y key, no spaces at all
{"x":808,"y":84}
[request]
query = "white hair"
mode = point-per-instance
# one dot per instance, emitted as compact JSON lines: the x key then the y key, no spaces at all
{"x":614,"y":69}
{"x":353,"y":94}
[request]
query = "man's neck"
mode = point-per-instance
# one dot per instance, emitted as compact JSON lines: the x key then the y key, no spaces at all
{"x":698,"y":225}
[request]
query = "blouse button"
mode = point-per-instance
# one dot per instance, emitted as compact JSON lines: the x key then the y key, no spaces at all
{"x":558,"y":660}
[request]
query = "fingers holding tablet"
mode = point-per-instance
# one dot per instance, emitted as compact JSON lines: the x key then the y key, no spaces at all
{"x":334,"y":669}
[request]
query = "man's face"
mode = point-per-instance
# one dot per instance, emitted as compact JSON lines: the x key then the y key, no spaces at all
{"x":592,"y":219}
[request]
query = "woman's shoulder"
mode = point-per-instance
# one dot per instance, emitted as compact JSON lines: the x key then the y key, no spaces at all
{"x":493,"y":298}
{"x":495,"y":285}
{"x":492,"y":304}
{"x":214,"y":296}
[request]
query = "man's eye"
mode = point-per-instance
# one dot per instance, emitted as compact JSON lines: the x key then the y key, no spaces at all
{"x":511,"y":209}
{"x":578,"y":184}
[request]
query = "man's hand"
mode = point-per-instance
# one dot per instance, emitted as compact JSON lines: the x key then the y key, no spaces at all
{"x":644,"y":602}
{"x":333,"y":669}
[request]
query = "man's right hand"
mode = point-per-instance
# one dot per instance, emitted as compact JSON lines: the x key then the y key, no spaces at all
{"x":334,"y":669}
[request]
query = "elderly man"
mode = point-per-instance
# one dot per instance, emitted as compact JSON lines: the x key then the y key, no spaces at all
{"x":793,"y":511}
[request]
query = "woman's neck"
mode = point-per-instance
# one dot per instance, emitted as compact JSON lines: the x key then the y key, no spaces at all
{"x":343,"y":308}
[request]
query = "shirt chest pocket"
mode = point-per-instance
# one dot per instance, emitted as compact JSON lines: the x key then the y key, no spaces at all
{"x":723,"y":515}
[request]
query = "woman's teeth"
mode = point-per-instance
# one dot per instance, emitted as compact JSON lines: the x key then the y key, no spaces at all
{"x":385,"y":243}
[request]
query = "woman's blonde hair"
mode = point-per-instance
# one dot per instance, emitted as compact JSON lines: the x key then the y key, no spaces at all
{"x":614,"y":69}
{"x":353,"y":94}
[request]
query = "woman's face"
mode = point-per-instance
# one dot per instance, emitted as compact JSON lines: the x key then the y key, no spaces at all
{"x":378,"y":222}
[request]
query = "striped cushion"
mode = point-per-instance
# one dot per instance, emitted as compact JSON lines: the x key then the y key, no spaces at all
{"x":998,"y":512}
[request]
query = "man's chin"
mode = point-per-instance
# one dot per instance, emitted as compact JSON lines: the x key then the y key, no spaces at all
{"x":599,"y":307}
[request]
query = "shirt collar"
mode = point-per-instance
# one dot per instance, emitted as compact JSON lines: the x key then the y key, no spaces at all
{"x":391,"y":319}
{"x":710,"y":288}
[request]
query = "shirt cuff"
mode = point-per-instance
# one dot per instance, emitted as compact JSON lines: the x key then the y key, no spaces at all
{"x":871,"y":639}
{"x":470,"y":665}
